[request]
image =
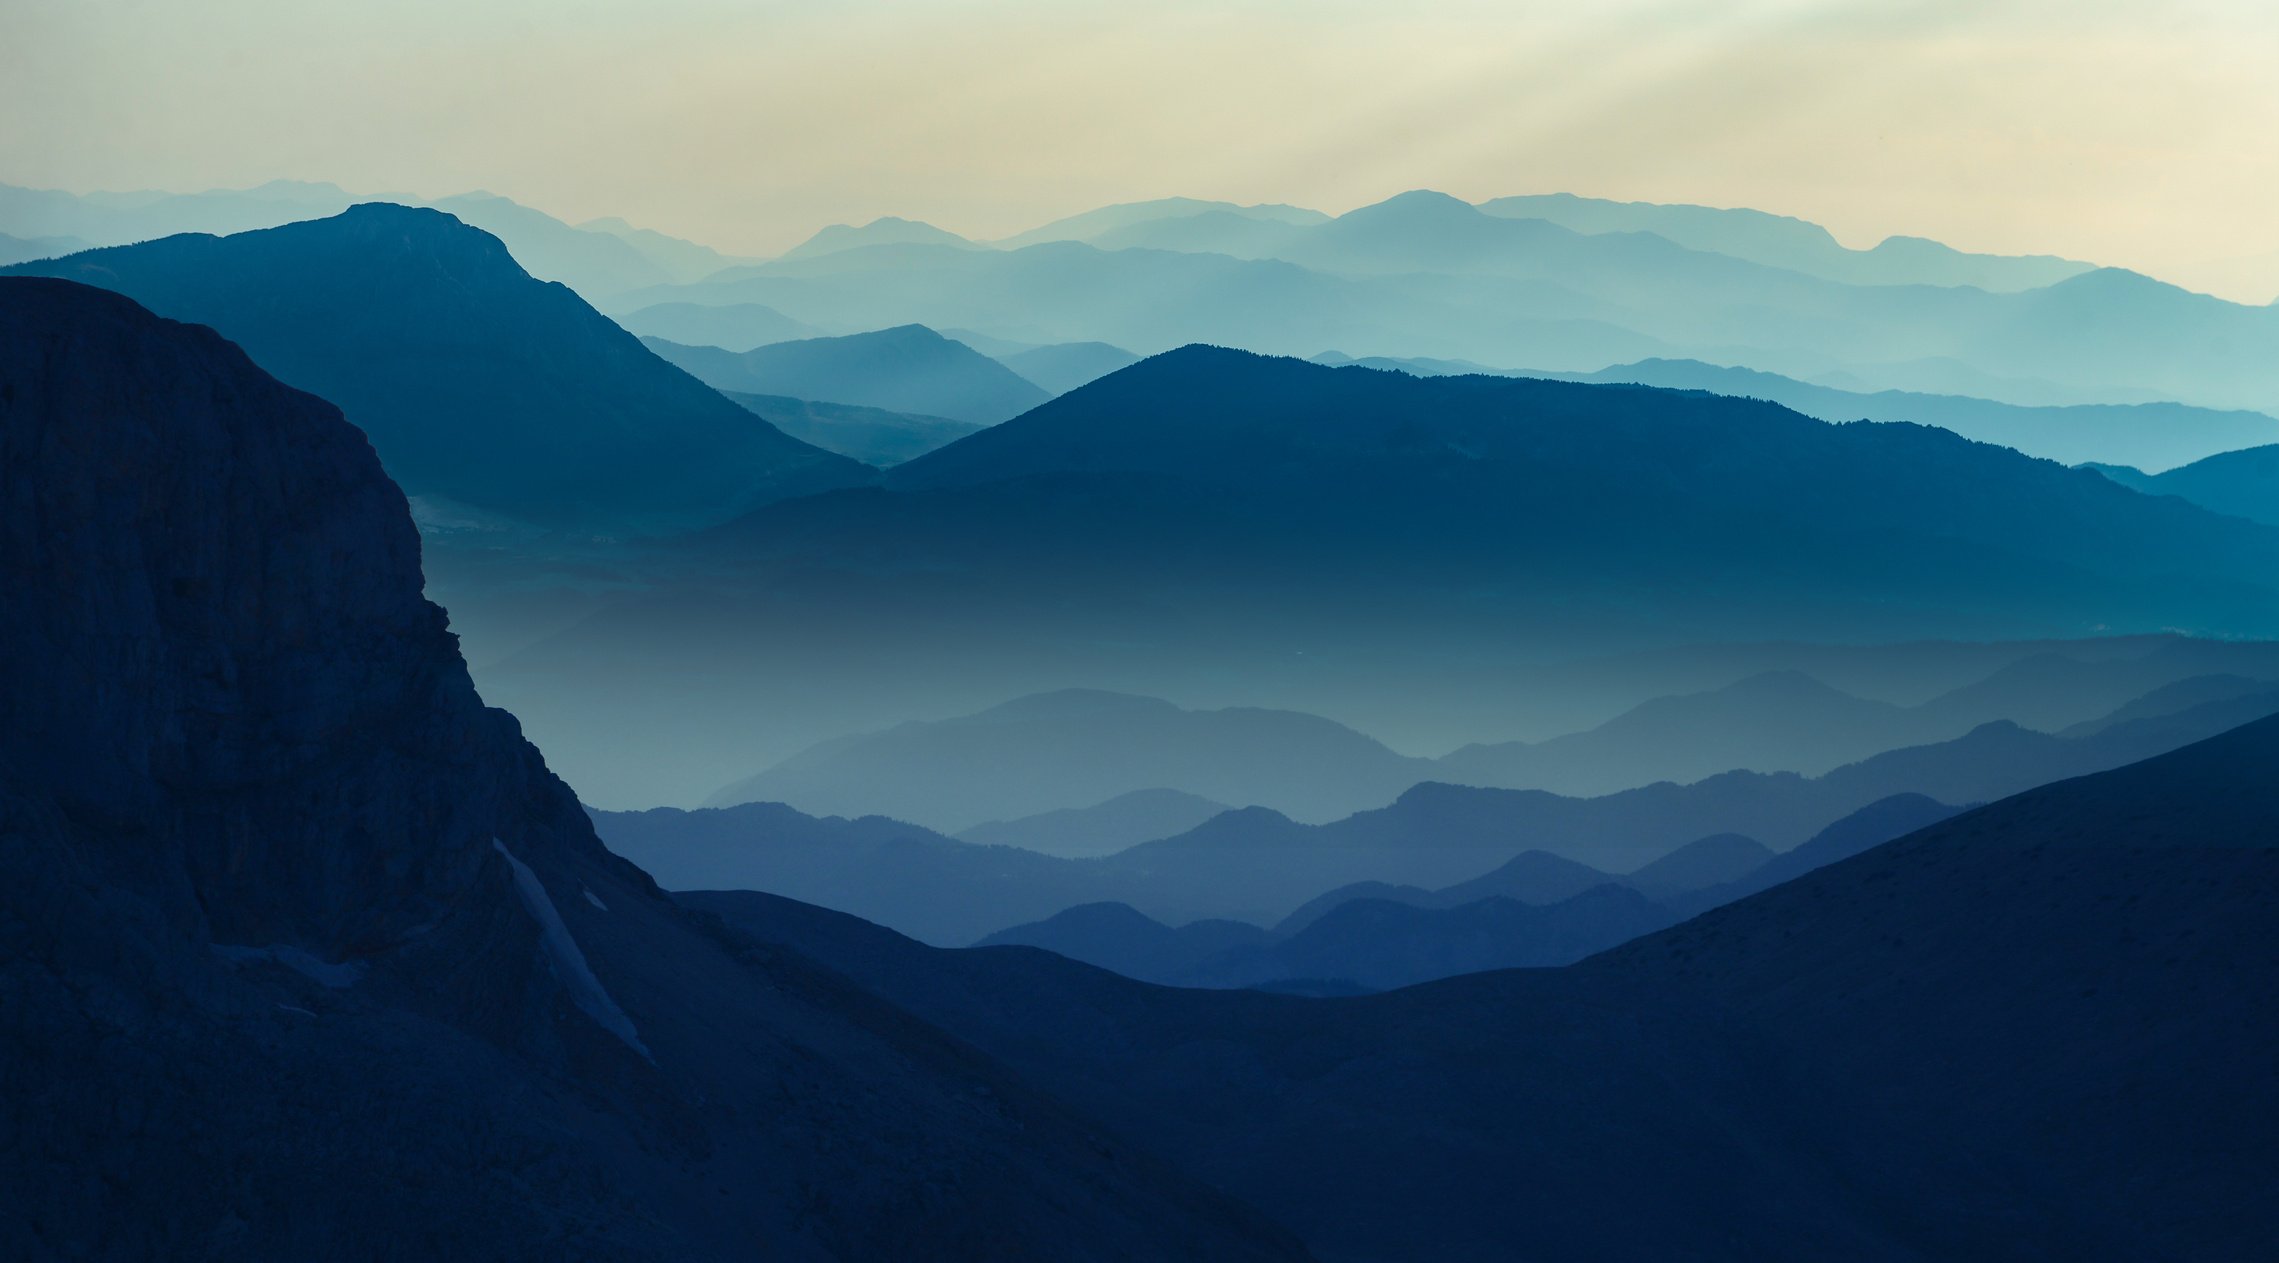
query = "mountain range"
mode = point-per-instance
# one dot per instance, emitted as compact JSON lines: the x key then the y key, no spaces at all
{"x":1128,"y":819}
{"x":2154,"y":435}
{"x":1256,"y":865}
{"x":1424,"y":274}
{"x":478,"y":385}
{"x":909,"y":369}
{"x":308,"y":955}
{"x":873,"y":436}
{"x":1367,"y":545}
{"x":1076,"y":749}
{"x":599,"y":258}
{"x":2028,"y":1031}
{"x":2243,"y":484}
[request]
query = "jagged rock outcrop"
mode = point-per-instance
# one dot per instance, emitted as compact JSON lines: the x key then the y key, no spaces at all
{"x":303,"y":952}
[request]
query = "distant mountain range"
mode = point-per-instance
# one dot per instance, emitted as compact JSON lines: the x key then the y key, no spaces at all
{"x":1259,"y":866}
{"x":599,"y":259}
{"x":888,"y":231}
{"x":1424,"y":274}
{"x":873,"y":436}
{"x":732,"y":327}
{"x":1797,"y":245}
{"x":1128,"y":819}
{"x":909,"y":369}
{"x":1040,"y":764}
{"x":2037,"y":1017}
{"x":25,"y":249}
{"x":479,"y":385}
{"x":1065,"y":366}
{"x":2242,"y":484}
{"x":2156,"y":435}
{"x":1078,"y":748}
{"x":1353,"y":543}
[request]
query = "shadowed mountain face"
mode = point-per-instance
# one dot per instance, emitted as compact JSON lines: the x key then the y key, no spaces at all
{"x":478,"y":385}
{"x":906,"y":369}
{"x":2032,"y":1031}
{"x":1501,"y":460}
{"x":2243,"y":484}
{"x":306,"y":953}
{"x":1077,"y":748}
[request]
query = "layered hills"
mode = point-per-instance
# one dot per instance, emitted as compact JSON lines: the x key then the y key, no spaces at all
{"x":479,"y":385}
{"x":308,"y":954}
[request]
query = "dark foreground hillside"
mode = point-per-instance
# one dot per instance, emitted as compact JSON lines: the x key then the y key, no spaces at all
{"x":304,"y":954}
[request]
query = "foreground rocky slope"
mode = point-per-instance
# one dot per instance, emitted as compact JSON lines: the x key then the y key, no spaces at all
{"x":304,"y":953}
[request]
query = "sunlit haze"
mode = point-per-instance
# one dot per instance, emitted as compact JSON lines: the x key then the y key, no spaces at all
{"x":2129,"y":134}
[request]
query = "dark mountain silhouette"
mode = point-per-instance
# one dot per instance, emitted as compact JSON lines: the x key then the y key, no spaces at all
{"x":1078,"y":748}
{"x":1117,"y":937}
{"x":2041,"y":1018}
{"x":1259,"y":866}
{"x":1380,"y":944}
{"x":890,"y":230}
{"x":906,"y":369}
{"x":1143,"y":815}
{"x":1701,"y":874}
{"x":1704,"y":862}
{"x":599,"y":259}
{"x":1063,"y":367}
{"x":1873,"y":825}
{"x":733,"y":327}
{"x":1359,"y":945}
{"x":308,"y":955}
{"x":2157,"y":435}
{"x":2241,"y":484}
{"x":873,"y":436}
{"x":1798,"y":245}
{"x":477,"y":384}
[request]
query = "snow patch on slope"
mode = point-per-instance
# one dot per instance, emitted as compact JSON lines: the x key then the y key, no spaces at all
{"x":569,"y":963}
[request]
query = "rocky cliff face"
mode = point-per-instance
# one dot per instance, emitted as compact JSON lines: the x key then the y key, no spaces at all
{"x":303,"y":952}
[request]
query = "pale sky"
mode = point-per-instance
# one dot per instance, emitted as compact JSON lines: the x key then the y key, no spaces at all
{"x":2144,"y":135}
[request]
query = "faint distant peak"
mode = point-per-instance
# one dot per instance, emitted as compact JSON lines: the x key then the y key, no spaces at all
{"x":888,"y":230}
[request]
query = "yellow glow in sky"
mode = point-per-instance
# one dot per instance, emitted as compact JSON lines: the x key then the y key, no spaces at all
{"x":2137,"y":134}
